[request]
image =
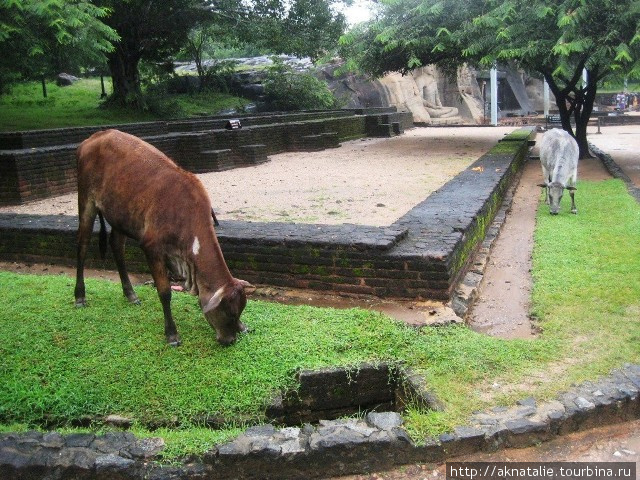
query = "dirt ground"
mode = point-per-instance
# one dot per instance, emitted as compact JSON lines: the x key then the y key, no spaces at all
{"x":502,"y":308}
{"x":615,"y":141}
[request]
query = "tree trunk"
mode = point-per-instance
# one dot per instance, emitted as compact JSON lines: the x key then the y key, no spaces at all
{"x":579,"y":106}
{"x":583,"y":115}
{"x":126,"y":80}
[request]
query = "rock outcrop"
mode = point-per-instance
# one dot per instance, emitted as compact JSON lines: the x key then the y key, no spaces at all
{"x":432,"y":96}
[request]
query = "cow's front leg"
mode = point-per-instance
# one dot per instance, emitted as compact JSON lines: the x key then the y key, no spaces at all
{"x":574,"y":210}
{"x":161,"y":279}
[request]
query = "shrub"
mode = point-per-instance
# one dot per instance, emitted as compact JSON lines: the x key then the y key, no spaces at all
{"x":289,"y":90}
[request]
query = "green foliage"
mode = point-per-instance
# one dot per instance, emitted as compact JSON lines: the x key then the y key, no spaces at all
{"x":298,"y":27}
{"x":290,"y":90}
{"x":43,"y":38}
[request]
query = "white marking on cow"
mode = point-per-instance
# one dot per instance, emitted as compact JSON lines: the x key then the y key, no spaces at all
{"x":196,"y":246}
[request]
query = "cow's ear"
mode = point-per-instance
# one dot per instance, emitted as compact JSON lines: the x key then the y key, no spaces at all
{"x":214,"y":301}
{"x":542,"y":184}
{"x":248,"y":288}
{"x":573,"y":189}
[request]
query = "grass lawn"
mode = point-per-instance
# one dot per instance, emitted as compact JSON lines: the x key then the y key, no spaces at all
{"x":79,"y":104}
{"x":60,"y":362}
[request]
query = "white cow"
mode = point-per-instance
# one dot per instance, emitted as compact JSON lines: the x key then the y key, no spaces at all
{"x":559,"y":154}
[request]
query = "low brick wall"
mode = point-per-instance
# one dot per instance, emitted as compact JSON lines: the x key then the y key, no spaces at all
{"x":39,"y":164}
{"x":72,"y":135}
{"x":422,"y":255}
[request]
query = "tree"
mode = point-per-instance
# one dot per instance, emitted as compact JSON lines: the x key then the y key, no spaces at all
{"x":41,"y":38}
{"x":559,"y":39}
{"x":289,"y":90}
{"x":154,"y":31}
{"x":305,"y":28}
{"x":148,"y":30}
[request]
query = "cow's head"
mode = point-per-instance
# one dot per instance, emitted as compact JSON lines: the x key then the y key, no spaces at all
{"x":555,"y":190}
{"x":223,"y":309}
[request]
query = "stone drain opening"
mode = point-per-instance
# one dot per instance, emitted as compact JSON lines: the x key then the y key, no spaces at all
{"x":322,"y":394}
{"x":332,"y":393}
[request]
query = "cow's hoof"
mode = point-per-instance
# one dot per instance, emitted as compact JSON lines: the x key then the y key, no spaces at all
{"x":574,"y":211}
{"x":135,"y":301}
{"x":174,"y":341}
{"x":80,"y":303}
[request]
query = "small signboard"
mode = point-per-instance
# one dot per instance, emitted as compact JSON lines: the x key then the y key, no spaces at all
{"x":233,"y":125}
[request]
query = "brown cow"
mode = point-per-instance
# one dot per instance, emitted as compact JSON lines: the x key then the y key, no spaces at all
{"x":145,"y":196}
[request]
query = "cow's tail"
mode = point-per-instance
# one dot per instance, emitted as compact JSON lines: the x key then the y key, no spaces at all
{"x":102,"y":239}
{"x":215,"y":220}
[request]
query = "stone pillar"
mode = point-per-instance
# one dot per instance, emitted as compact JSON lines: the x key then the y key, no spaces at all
{"x":545,"y":97}
{"x":494,"y":96}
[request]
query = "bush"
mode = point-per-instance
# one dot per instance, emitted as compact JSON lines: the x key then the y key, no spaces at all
{"x":289,"y":90}
{"x":218,"y":76}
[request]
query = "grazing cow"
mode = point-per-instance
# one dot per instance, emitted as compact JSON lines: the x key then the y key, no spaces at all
{"x":145,"y":196}
{"x":559,"y":159}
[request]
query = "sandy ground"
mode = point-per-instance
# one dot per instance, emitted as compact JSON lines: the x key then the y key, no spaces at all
{"x":372,"y":181}
{"x":616,"y":141}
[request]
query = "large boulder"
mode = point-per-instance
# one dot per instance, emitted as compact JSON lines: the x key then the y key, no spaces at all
{"x":65,"y":79}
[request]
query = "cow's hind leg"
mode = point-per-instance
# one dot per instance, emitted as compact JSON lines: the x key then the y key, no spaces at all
{"x":161,"y":279}
{"x":118,"y":241}
{"x":86,"y":218}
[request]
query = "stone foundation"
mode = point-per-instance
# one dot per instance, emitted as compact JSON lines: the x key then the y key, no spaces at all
{"x":39,"y":164}
{"x":421,"y":255}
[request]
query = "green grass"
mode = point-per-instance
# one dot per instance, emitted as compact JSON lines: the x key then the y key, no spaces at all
{"x":24,"y":108}
{"x":61,"y":363}
{"x":587,"y":286}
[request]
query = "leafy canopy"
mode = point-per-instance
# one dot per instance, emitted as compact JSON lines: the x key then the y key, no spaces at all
{"x":42,"y":37}
{"x":536,"y":34}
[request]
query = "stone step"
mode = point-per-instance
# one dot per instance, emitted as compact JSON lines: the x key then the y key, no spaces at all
{"x":216,"y":161}
{"x":317,"y":142}
{"x":253,"y":154}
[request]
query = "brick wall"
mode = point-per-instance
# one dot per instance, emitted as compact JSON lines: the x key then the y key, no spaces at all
{"x":422,"y":255}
